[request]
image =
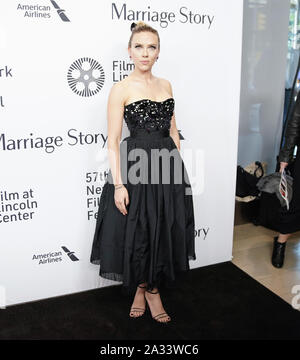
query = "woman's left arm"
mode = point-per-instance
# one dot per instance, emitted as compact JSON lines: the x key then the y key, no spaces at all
{"x":173,"y":128}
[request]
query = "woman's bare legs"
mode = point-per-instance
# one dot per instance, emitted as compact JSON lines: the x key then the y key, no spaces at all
{"x":139,"y":303}
{"x":282,"y":238}
{"x":153,"y":300}
{"x":156,"y":306}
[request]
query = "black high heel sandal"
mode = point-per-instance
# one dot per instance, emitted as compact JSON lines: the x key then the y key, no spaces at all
{"x":159,"y":316}
{"x":136,"y":309}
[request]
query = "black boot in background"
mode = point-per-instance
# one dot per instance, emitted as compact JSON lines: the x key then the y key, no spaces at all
{"x":278,"y":253}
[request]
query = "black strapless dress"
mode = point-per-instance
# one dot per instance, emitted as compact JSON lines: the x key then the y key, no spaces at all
{"x":154,"y":242}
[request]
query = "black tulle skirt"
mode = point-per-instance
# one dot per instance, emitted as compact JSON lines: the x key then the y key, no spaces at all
{"x":155,"y":240}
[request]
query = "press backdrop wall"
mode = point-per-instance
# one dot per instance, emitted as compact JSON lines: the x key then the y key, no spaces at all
{"x":58,"y":61}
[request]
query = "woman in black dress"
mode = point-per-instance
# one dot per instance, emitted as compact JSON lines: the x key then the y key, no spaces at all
{"x":289,"y":220}
{"x":145,"y":229}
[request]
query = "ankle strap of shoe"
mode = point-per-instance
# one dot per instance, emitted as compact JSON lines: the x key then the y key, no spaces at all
{"x":152,"y":292}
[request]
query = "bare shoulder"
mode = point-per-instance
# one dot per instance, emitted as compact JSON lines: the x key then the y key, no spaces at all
{"x":166,"y":84}
{"x":117,"y":88}
{"x":117,"y":93}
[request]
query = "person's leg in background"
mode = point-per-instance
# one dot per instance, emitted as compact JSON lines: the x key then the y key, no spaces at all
{"x":279,"y":249}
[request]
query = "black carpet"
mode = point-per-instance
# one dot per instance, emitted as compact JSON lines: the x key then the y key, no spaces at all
{"x":213,"y":302}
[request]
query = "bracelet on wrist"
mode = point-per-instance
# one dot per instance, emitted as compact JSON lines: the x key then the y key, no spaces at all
{"x":119,"y":186}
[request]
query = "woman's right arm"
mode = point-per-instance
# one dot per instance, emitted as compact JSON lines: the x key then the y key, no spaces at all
{"x":114,"y":130}
{"x":115,"y":112}
{"x":292,"y":134}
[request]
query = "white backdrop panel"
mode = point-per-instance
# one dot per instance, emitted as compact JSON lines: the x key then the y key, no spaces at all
{"x":45,"y":250}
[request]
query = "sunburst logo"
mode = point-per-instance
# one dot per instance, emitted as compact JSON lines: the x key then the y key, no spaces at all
{"x":86,"y":77}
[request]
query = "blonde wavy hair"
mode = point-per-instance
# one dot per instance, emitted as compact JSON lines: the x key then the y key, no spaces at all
{"x":141,"y":26}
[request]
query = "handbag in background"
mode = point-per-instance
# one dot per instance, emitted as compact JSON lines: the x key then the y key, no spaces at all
{"x":246,"y":182}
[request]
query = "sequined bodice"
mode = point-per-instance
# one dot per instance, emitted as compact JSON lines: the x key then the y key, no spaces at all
{"x":149,"y":114}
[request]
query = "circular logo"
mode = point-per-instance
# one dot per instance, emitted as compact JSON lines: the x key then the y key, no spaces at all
{"x":86,"y":77}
